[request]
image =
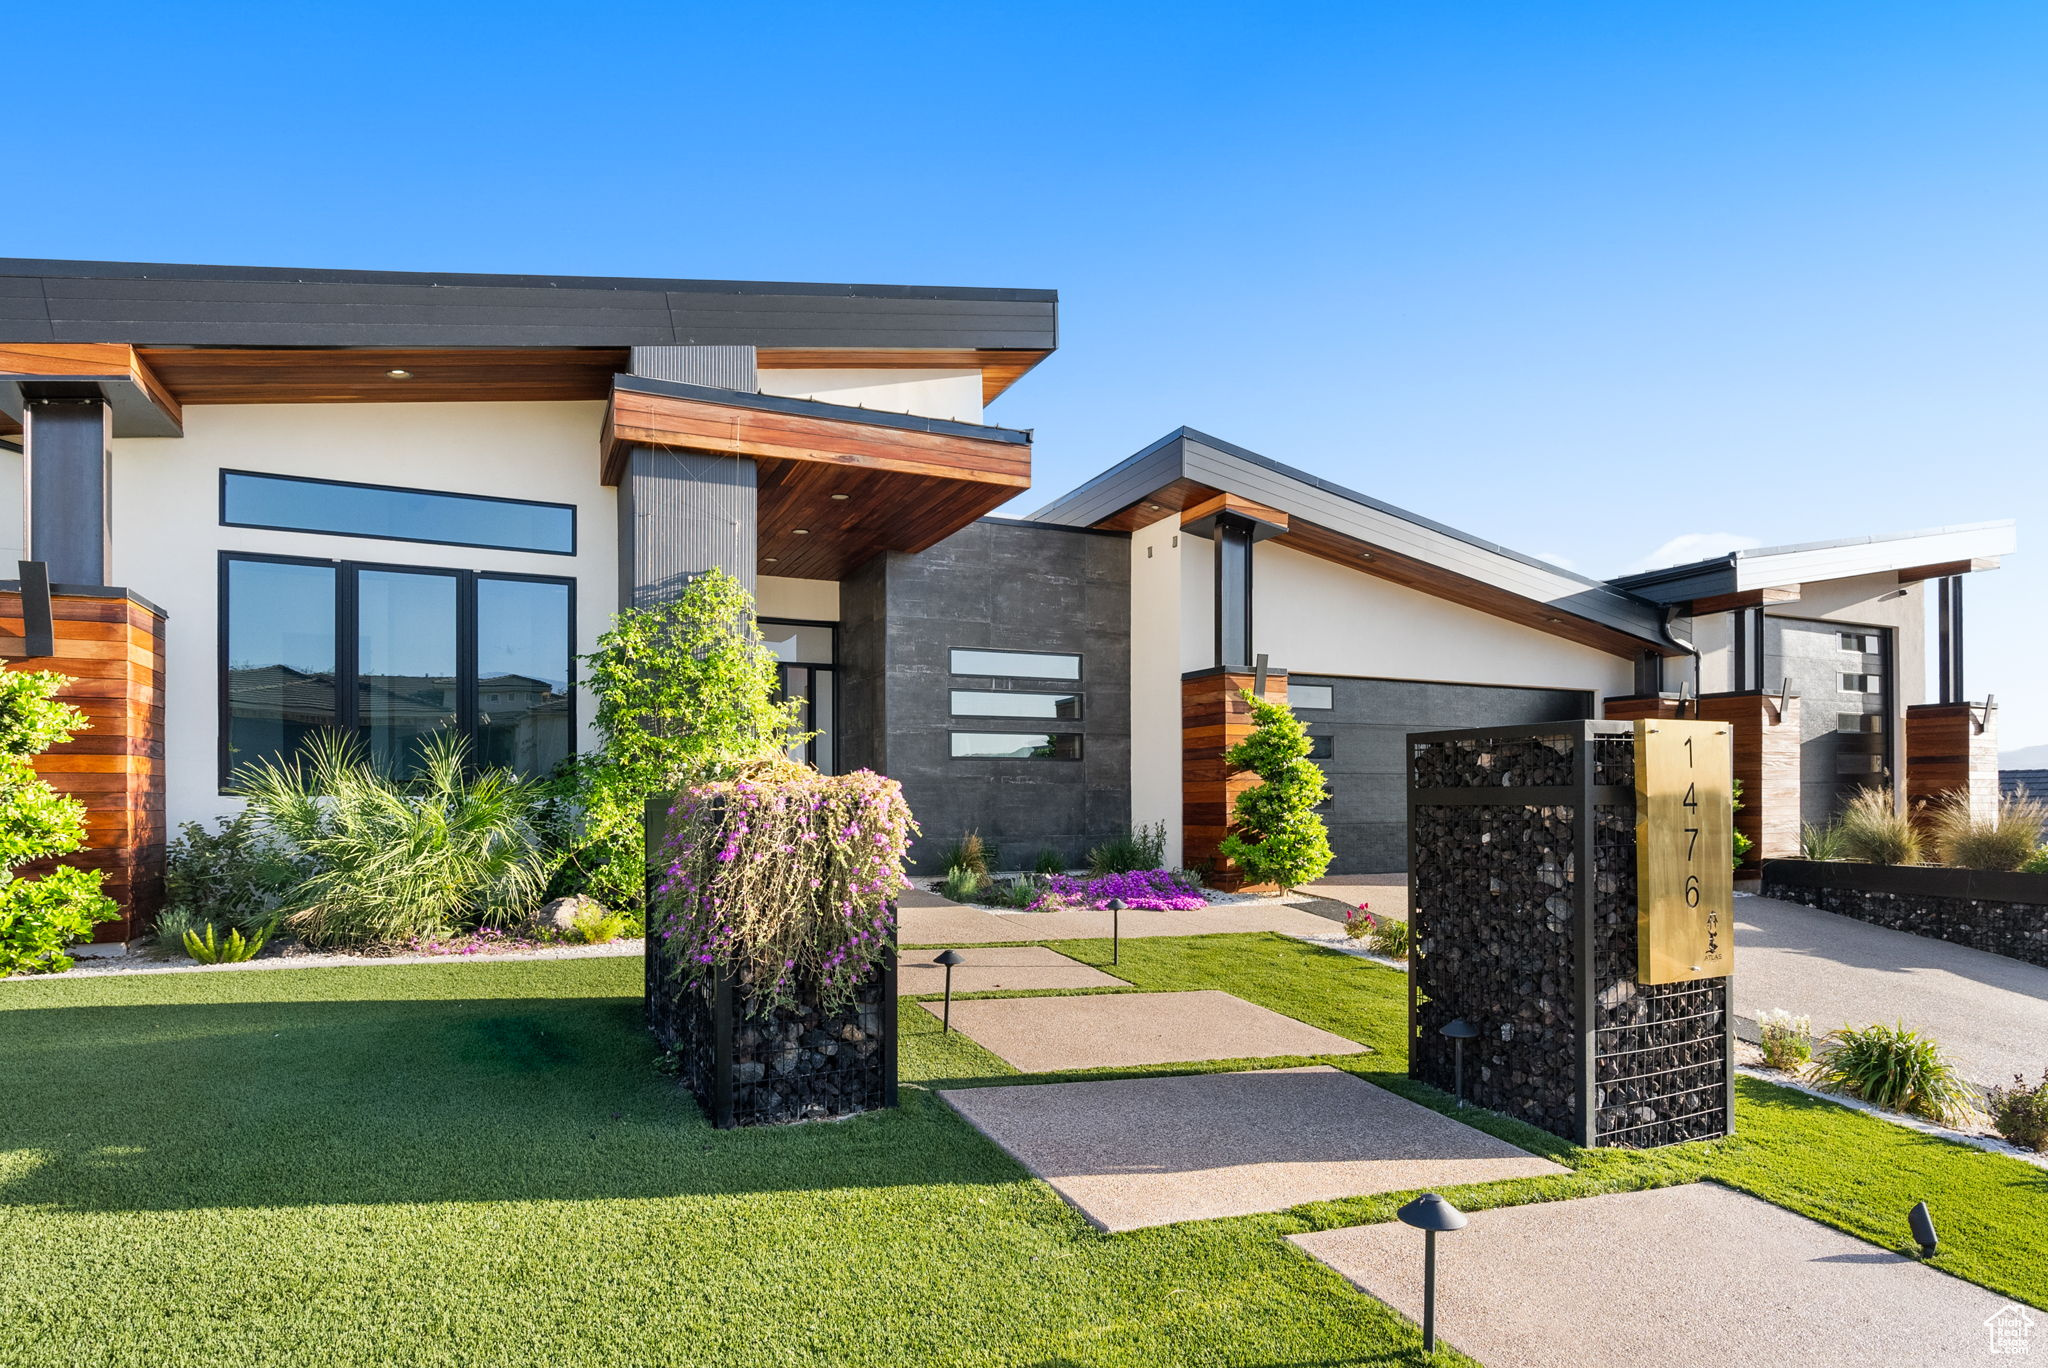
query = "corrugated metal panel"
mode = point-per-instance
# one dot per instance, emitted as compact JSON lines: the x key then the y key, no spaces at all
{"x":680,"y":514}
{"x":730,"y":368}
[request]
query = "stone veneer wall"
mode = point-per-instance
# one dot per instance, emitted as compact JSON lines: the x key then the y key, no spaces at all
{"x":1499,"y":893}
{"x":2017,"y":930}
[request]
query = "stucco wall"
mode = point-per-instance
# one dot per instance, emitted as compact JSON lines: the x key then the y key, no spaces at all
{"x":168,"y":537}
{"x":954,"y":394}
{"x":1156,"y":572}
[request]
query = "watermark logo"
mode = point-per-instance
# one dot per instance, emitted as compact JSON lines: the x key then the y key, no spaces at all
{"x":2010,"y":1329}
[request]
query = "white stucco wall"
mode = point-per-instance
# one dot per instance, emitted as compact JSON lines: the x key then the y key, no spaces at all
{"x":954,"y":394}
{"x":778,"y":596}
{"x":1156,"y":573}
{"x":1315,"y":617}
{"x":167,"y":532}
{"x":13,"y":525}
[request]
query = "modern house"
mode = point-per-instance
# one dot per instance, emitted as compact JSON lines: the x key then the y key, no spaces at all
{"x":272,"y":502}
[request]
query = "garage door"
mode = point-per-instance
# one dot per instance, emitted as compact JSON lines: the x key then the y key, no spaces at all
{"x":1364,"y":730}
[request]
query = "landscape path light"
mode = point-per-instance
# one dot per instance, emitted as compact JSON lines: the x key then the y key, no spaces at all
{"x":1116,"y":933}
{"x":1429,"y":1214}
{"x":949,"y":958}
{"x":1922,"y":1222}
{"x":1460,"y":1031}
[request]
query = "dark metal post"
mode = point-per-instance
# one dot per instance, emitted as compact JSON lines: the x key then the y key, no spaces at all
{"x":1116,"y":931}
{"x":1429,"y":1287}
{"x":66,"y":451}
{"x":1459,"y":1071}
{"x":889,"y":1015}
{"x":948,"y":958}
{"x":38,"y":620}
{"x":1585,"y":1003}
{"x":722,"y":1062}
{"x":1233,"y":591}
{"x":1957,"y":688}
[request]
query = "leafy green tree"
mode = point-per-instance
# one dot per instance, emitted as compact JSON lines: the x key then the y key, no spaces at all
{"x":685,"y":695}
{"x":42,"y":915}
{"x":1278,"y":836}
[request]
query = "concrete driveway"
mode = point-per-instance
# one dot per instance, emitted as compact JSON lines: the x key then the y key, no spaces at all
{"x":1989,"y":1012}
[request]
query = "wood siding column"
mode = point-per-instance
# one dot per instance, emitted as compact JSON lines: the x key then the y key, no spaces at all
{"x":1952,"y":747}
{"x":112,"y":647}
{"x":1635,"y":707}
{"x":1766,"y":765}
{"x":1215,"y":717}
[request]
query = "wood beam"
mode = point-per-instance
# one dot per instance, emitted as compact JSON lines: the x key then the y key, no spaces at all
{"x":1233,"y":503}
{"x":143,"y":405}
{"x":1747,"y":598}
{"x":1947,"y":568}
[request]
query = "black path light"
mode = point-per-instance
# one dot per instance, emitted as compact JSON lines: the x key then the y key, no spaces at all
{"x":1461,"y":1031}
{"x":1429,"y":1214}
{"x":1922,"y":1222}
{"x":1116,"y":930}
{"x":949,"y":958}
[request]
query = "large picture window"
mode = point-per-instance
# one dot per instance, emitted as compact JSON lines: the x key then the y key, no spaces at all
{"x":293,"y":503}
{"x":394,"y":654}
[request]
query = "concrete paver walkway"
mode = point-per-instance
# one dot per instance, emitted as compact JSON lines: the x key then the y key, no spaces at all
{"x":1989,"y":1012}
{"x":1125,"y":1030}
{"x":1016,"y":968}
{"x":1144,"y":1152}
{"x":1697,"y":1276}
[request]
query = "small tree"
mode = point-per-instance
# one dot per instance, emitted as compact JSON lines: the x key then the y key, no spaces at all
{"x":40,"y":916}
{"x":685,"y":695}
{"x":1278,"y":837}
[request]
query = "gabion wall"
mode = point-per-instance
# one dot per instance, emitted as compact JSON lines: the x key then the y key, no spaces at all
{"x":748,"y":1067}
{"x":1538,"y":953}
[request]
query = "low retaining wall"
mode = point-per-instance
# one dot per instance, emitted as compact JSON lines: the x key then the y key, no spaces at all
{"x":2005,"y":914}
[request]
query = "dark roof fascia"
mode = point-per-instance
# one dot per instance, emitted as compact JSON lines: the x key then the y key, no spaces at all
{"x":1187,"y":453}
{"x":812,"y":408}
{"x":143,"y":270}
{"x":166,"y":305}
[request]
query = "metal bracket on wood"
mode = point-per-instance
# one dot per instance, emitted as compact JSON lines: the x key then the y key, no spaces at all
{"x":1784,"y":701}
{"x":1259,"y":676}
{"x":38,"y":623}
{"x":1983,"y":723}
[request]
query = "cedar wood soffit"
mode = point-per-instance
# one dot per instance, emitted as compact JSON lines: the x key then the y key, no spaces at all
{"x":1192,"y":475}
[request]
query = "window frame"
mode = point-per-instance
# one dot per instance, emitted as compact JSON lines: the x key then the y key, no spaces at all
{"x":1080,"y":705}
{"x":1080,"y":740}
{"x":347,"y":646}
{"x":832,"y":667}
{"x":575,"y":531}
{"x":1080,"y":659}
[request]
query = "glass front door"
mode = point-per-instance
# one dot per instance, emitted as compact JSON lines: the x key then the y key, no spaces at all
{"x":808,"y":654}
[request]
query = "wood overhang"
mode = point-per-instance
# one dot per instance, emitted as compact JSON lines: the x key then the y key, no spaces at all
{"x":142,"y":405}
{"x":1000,"y":367}
{"x":836,"y":485}
{"x":1945,"y":569}
{"x":1747,"y":598}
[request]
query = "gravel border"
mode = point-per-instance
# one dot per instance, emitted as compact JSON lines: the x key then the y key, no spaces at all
{"x":137,"y":964}
{"x":1977,"y":1139}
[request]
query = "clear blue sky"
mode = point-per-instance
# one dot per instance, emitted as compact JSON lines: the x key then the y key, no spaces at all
{"x":1580,"y":278}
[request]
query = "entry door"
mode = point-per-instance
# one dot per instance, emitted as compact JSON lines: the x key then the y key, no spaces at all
{"x":807,"y":653}
{"x":1842,"y":674}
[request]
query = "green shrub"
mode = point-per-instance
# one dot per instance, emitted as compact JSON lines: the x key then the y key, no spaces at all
{"x":238,"y":876}
{"x":594,"y":927}
{"x":233,"y":948}
{"x":2036,"y":863}
{"x":1386,"y":936}
{"x":1873,"y":829}
{"x":40,"y":916}
{"x":2020,"y":1113}
{"x":1894,"y":1067}
{"x":392,"y":859}
{"x":963,"y":884}
{"x":1818,"y":841}
{"x":1740,"y":844}
{"x":1048,"y":862}
{"x":686,"y":694}
{"x":973,"y":854}
{"x":2002,"y":842}
{"x":1277,"y":836}
{"x":1133,"y":849}
{"x":1786,"y":1040}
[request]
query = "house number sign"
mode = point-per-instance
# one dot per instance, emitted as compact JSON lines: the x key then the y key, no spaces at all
{"x":1685,"y":875}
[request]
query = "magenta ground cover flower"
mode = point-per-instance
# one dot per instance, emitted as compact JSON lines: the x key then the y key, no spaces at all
{"x":1149,"y":890}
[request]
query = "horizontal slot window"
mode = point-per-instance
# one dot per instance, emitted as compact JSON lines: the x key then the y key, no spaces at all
{"x":291,"y":504}
{"x":1865,"y":642}
{"x":1321,"y":747}
{"x":1016,"y":664}
{"x":1065,"y":707}
{"x":807,"y":643}
{"x":1016,"y":745}
{"x":1316,"y":696}
{"x":1862,"y":683}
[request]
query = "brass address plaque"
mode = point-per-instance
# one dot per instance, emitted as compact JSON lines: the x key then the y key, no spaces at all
{"x":1685,"y":873}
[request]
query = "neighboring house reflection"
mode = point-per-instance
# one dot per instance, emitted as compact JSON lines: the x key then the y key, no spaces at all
{"x":522,"y":721}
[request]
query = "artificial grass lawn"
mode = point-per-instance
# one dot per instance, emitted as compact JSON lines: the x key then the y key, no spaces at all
{"x":475,"y":1164}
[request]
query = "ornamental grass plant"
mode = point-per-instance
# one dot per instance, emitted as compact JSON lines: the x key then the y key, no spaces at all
{"x":1895,"y":1067}
{"x":2003,"y":841}
{"x":1872,"y":829}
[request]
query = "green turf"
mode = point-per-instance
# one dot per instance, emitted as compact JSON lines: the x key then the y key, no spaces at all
{"x":476,"y":1164}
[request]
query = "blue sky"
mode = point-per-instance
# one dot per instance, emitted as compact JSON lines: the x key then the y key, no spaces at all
{"x":1583,"y":279}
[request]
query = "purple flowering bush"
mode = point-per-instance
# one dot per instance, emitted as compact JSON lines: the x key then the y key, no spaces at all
{"x":1149,"y":890}
{"x":783,"y":878}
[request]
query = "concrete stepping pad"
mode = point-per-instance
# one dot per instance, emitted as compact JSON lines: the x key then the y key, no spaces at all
{"x":1698,"y":1275}
{"x":1125,"y":1030}
{"x":1145,"y":1152}
{"x":1017,"y":968}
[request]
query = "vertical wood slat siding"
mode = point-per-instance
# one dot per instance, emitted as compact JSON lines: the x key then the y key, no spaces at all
{"x":1952,"y":747}
{"x":1215,"y":717}
{"x":113,"y":650}
{"x":1767,"y":767}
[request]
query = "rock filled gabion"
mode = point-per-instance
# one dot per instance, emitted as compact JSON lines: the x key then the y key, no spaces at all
{"x":1495,"y":922}
{"x":2016,"y":930}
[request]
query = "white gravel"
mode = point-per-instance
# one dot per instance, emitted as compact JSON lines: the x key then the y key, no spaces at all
{"x":178,"y":964}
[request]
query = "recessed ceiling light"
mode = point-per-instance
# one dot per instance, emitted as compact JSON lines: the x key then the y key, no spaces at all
{"x":769,"y":559}
{"x":1153,"y":507}
{"x":399,"y":374}
{"x":799,"y":531}
{"x":1554,"y":619}
{"x":840,"y":497}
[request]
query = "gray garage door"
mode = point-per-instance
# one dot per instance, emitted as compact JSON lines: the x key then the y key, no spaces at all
{"x":1365,"y":730}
